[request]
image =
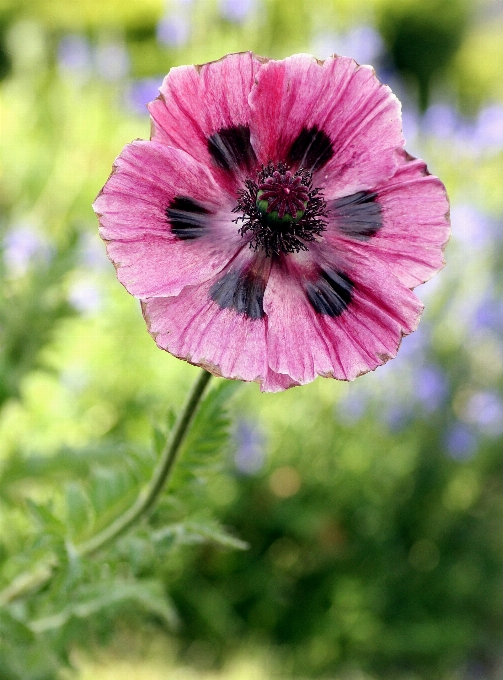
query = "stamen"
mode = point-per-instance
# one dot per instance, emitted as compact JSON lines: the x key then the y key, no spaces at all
{"x":281,"y":209}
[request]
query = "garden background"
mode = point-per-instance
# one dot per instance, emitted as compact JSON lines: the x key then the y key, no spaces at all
{"x":345,"y":531}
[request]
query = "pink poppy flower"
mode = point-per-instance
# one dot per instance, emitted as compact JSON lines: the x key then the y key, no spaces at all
{"x":274,"y":226}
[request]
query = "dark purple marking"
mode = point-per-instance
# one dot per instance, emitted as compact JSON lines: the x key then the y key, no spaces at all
{"x":358,"y":216}
{"x":311,"y":150}
{"x":331,"y":294}
{"x":188,"y":218}
{"x":241,"y":291}
{"x":231,"y":148}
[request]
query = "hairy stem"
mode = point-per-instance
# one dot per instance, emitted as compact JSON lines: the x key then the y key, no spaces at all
{"x":28,"y":581}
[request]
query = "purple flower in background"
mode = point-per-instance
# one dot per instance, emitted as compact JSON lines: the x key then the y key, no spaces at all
{"x":112,"y":61}
{"x":431,"y":387}
{"x":471,"y":226}
{"x":249,"y":457}
{"x":140,"y":92}
{"x":173,"y":30}
{"x":74,"y":56}
{"x":397,"y":416}
{"x":460,"y":442}
{"x":21,"y":247}
{"x":485,"y":410}
{"x":352,"y":407}
{"x":440,"y":120}
{"x":413,"y":345}
{"x":489,"y":128}
{"x":410,"y":124}
{"x":489,"y":315}
{"x":363,"y":43}
{"x":91,"y":254}
{"x":85,"y":297}
{"x":236,"y":11}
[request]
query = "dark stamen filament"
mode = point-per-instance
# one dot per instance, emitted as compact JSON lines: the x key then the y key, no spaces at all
{"x":281,"y":209}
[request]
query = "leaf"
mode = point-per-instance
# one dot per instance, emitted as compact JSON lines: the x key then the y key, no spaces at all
{"x":90,"y":600}
{"x":47,"y":521}
{"x":11,"y":628}
{"x":67,"y":463}
{"x":79,"y":516}
{"x":197,"y":532}
{"x":208,"y":436}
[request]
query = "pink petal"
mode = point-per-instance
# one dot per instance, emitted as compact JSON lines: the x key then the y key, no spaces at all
{"x":198,"y":101}
{"x":194,"y":328}
{"x":414,"y":224}
{"x":303,"y":343}
{"x":150,"y":259}
{"x":345,"y":103}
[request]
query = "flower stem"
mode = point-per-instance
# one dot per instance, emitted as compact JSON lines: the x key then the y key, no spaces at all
{"x":147,"y":498}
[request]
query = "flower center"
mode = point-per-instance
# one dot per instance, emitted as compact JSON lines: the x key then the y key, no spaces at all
{"x":282,"y":198}
{"x":281,"y":210}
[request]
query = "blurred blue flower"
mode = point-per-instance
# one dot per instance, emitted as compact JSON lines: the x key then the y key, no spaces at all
{"x":470,"y":225}
{"x":74,"y":56}
{"x":250,"y":455}
{"x":488,"y":131}
{"x":414,"y":345}
{"x":440,"y":120}
{"x":91,"y":252}
{"x":140,"y":92}
{"x":85,"y":297}
{"x":397,"y":415}
{"x":173,"y":30}
{"x":112,"y":61}
{"x":489,"y":315}
{"x":236,"y":11}
{"x":431,"y":387}
{"x":460,"y":442}
{"x":22,"y":246}
{"x":363,"y":43}
{"x":352,"y":407}
{"x":410,"y":125}
{"x":485,"y":410}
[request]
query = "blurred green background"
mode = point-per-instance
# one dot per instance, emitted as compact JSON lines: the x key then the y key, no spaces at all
{"x":373,"y":511}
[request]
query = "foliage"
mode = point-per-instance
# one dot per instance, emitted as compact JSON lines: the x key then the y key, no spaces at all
{"x":68,"y":595}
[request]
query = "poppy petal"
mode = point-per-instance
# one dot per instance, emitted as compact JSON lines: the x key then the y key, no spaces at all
{"x":204,"y":110}
{"x":165,"y":221}
{"x":334,"y":118}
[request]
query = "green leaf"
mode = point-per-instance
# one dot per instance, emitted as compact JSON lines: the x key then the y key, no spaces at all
{"x":79,"y":516}
{"x":46,"y":520}
{"x":208,"y":436}
{"x":90,"y":600}
{"x":184,"y":533}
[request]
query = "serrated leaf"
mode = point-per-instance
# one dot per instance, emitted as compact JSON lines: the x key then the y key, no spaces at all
{"x":208,"y":436}
{"x":67,"y":463}
{"x":47,"y":521}
{"x":78,"y":508}
{"x":11,"y":628}
{"x":90,"y":600}
{"x":197,"y":532}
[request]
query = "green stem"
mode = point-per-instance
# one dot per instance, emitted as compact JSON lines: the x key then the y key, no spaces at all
{"x":147,"y":498}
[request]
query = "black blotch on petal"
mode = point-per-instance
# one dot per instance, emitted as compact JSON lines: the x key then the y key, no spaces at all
{"x":241,"y":291}
{"x":311,"y":150}
{"x":331,"y":294}
{"x":358,"y":216}
{"x":231,"y":148}
{"x":187,"y":217}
